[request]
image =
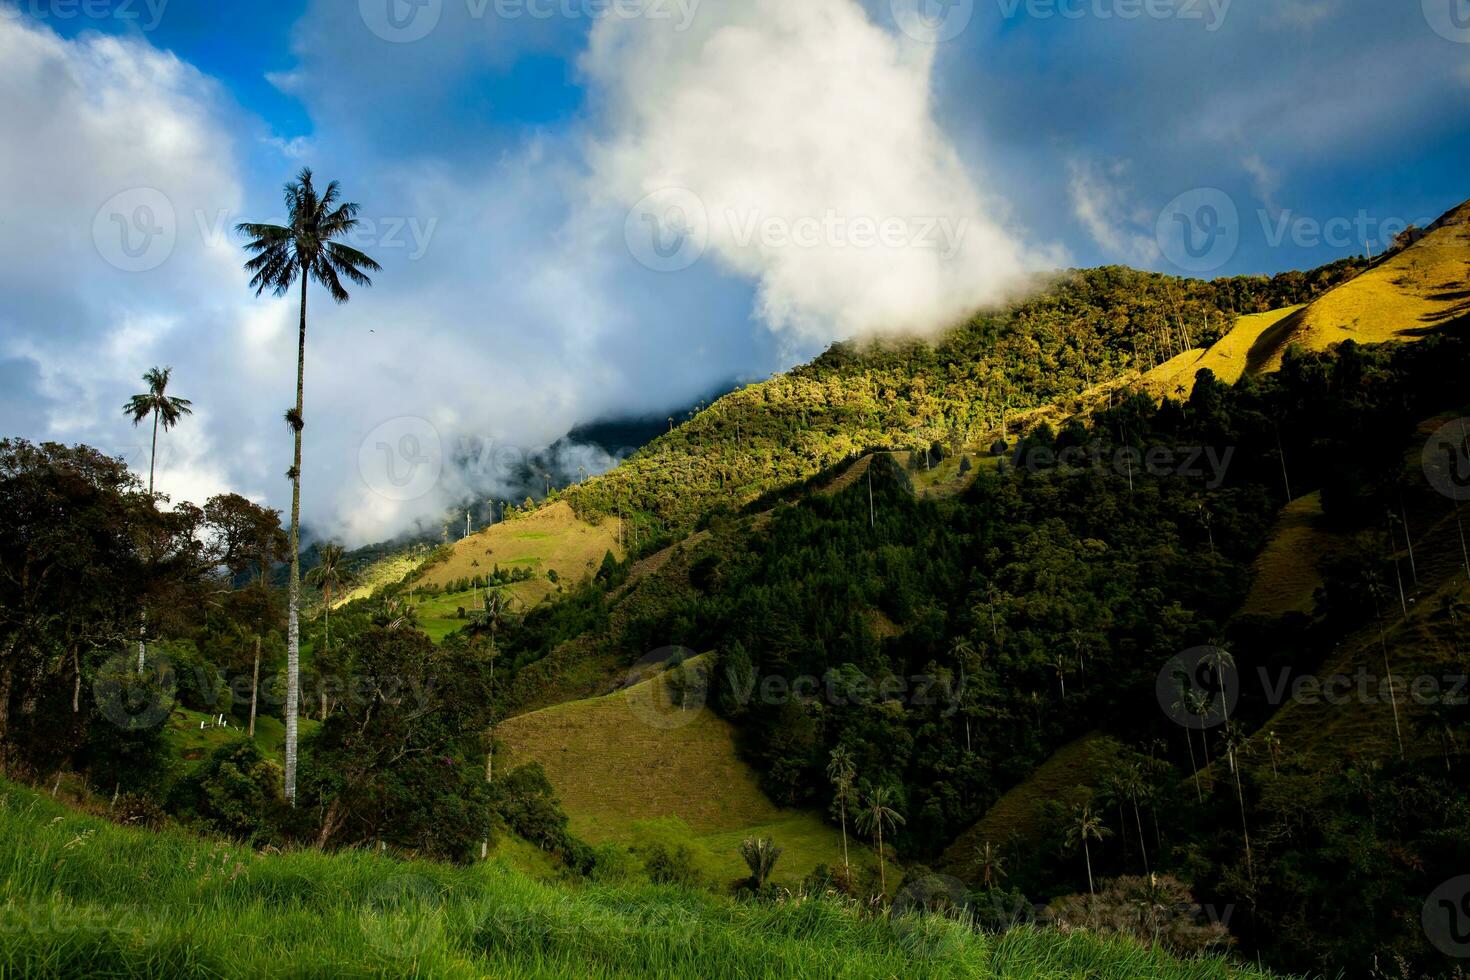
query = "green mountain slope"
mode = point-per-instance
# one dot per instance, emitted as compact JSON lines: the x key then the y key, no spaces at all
{"x":1083,"y":329}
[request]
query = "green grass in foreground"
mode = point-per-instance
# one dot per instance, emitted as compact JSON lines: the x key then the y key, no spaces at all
{"x":80,"y":897}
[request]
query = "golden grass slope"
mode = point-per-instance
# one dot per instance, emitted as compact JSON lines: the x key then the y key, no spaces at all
{"x":1228,"y":357}
{"x":1404,"y":297}
{"x":551,"y":538}
{"x":632,"y":766}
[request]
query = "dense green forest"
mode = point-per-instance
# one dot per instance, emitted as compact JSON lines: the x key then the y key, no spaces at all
{"x":1085,"y":328}
{"x":949,"y":647}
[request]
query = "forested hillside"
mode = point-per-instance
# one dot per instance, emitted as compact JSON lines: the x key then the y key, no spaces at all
{"x":1085,"y":328}
{"x":948,"y":647}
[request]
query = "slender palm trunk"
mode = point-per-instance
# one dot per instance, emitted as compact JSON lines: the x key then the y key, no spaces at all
{"x":882,"y":868}
{"x":293,"y":620}
{"x":143,"y":614}
{"x":1393,"y":697}
{"x":490,"y":749}
{"x":254,"y":687}
{"x":1250,"y":865}
{"x":1409,"y":540}
{"x":1138,"y":821}
{"x":842,"y":810}
{"x":1193,"y":764}
{"x":153,"y":454}
{"x":1464,"y":550}
{"x":1087,"y":854}
{"x":76,"y":687}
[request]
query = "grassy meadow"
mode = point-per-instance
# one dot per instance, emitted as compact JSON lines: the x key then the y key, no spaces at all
{"x":552,"y":539}
{"x":632,"y":768}
{"x":82,"y":897}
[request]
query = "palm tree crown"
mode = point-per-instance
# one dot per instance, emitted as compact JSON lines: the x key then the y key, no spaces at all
{"x":156,"y":399}
{"x":307,"y":247}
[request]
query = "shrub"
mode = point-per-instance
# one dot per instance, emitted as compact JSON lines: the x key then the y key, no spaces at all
{"x":236,"y":792}
{"x":1155,"y":910}
{"x":671,"y":864}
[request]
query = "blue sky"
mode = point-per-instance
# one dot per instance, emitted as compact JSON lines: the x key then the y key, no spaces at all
{"x":826,"y":168}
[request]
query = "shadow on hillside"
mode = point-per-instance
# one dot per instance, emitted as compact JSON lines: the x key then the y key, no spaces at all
{"x":1273,"y":340}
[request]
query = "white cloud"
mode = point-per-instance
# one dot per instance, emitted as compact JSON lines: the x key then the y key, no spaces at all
{"x":803,"y":121}
{"x":1101,"y":202}
{"x":525,"y":313}
{"x":118,"y":146}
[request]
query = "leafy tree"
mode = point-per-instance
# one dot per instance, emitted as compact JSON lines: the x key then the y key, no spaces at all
{"x":304,"y":249}
{"x":80,"y":544}
{"x":247,"y":540}
{"x":385,"y":765}
{"x":236,"y":792}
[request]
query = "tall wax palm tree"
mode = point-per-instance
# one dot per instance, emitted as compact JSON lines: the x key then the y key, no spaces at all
{"x":841,"y":772}
{"x":489,"y":619}
{"x":165,"y":409}
{"x":162,"y":407}
{"x":332,"y":576}
{"x":1087,"y":826}
{"x":1136,"y":785}
{"x":302,"y":250}
{"x":991,"y":865}
{"x":876,"y":815}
